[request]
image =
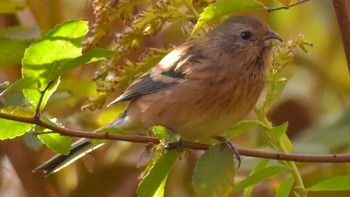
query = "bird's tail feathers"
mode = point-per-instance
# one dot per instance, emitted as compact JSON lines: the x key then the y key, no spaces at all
{"x":80,"y":148}
{"x":58,"y":161}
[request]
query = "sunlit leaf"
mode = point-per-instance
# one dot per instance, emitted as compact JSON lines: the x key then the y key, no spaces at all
{"x":214,"y":172}
{"x":152,"y":183}
{"x":165,"y":135}
{"x":34,"y":96}
{"x":339,"y":183}
{"x":21,"y":84}
{"x":10,"y":129}
{"x":45,"y":56}
{"x":222,"y":8}
{"x":55,"y":141}
{"x":93,"y":55}
{"x":54,"y":54}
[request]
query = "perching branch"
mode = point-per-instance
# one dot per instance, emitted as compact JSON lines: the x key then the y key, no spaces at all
{"x":324,"y":158}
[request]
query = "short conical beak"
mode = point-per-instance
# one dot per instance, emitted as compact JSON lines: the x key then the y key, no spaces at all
{"x":273,"y":35}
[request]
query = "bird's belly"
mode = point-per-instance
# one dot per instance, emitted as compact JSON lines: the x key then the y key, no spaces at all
{"x":194,"y":114}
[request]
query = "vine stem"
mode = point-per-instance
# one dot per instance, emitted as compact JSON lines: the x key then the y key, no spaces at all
{"x":299,"y":185}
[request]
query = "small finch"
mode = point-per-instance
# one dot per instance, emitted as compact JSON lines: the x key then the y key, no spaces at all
{"x":199,"y":90}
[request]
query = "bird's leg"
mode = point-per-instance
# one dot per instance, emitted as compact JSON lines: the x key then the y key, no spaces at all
{"x":172,"y":140}
{"x":175,"y":145}
{"x":229,"y":144}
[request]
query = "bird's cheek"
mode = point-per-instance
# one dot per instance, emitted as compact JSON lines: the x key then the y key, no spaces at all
{"x":266,"y":44}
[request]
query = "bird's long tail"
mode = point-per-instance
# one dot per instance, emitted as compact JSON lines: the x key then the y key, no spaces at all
{"x":80,"y":148}
{"x":58,"y":161}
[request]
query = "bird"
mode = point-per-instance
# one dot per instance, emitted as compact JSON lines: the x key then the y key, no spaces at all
{"x":199,"y":90}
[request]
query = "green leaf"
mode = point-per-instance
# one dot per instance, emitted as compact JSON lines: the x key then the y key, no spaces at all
{"x":45,"y":56}
{"x":9,"y":7}
{"x":160,"y":190}
{"x":339,"y":183}
{"x":165,"y":135}
{"x":93,"y":55}
{"x":285,"y":187}
{"x":214,"y":172}
{"x":33,"y":95}
{"x":152,"y":183}
{"x":10,"y":129}
{"x":278,"y":134}
{"x":287,"y":143}
{"x":257,"y":177}
{"x":278,"y":131}
{"x":54,"y":54}
{"x":225,"y":7}
{"x":24,"y":83}
{"x":11,"y":50}
{"x":260,"y":166}
{"x":58,"y":143}
{"x":241,"y":127}
{"x":55,"y":141}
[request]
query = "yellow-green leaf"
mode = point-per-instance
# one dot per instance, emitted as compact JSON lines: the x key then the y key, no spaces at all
{"x":214,"y":172}
{"x":339,"y":183}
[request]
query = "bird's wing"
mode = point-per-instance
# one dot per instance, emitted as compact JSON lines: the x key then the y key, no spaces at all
{"x":172,"y":69}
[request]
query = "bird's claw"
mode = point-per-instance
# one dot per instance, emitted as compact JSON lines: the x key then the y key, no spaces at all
{"x":232,"y":147}
{"x":178,"y":145}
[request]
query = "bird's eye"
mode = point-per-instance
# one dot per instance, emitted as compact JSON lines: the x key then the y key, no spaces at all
{"x":245,"y":35}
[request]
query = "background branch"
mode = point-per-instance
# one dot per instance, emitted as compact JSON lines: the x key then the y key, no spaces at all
{"x":342,"y":10}
{"x":287,"y":6}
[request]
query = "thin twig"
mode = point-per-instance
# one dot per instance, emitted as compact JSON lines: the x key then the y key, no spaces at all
{"x":38,"y":109}
{"x":287,"y":6}
{"x":323,"y":158}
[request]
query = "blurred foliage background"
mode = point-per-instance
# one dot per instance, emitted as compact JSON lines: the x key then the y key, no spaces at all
{"x":315,"y":103}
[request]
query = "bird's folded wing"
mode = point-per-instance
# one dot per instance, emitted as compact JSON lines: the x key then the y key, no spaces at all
{"x":171,"y":70}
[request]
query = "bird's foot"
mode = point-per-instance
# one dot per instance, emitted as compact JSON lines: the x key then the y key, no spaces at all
{"x":174,"y":145}
{"x":229,"y":144}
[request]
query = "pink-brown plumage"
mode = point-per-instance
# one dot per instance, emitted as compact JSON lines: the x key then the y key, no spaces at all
{"x":199,"y":90}
{"x":218,"y":89}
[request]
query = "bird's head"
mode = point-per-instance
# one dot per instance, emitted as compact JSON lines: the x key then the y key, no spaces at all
{"x":242,"y":33}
